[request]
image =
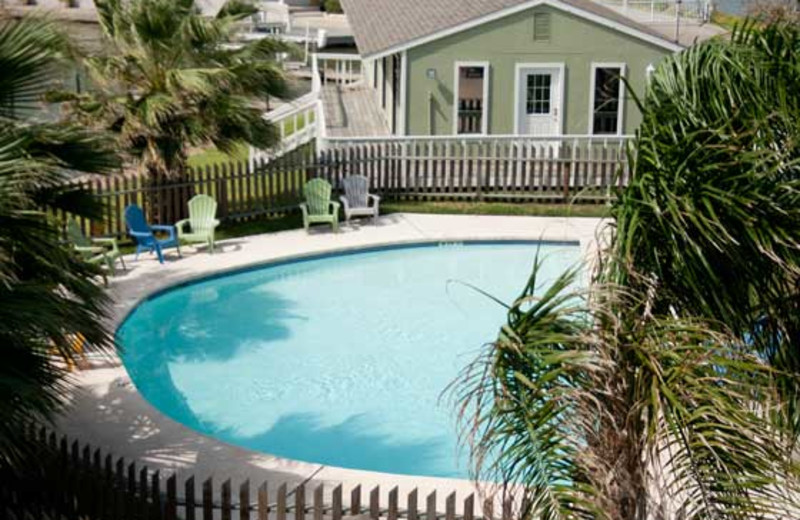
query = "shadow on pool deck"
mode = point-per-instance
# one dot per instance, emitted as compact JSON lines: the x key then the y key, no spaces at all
{"x":110,"y":414}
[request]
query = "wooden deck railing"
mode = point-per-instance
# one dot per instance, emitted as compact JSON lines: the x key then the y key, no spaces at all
{"x":71,"y":480}
{"x":429,"y":169}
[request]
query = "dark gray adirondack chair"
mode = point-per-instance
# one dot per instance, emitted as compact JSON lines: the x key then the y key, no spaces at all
{"x":357,"y":201}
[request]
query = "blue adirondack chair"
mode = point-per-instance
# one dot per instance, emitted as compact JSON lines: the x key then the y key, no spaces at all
{"x":142,"y":233}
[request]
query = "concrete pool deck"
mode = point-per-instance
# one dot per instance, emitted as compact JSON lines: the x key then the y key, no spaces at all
{"x":107,"y":411}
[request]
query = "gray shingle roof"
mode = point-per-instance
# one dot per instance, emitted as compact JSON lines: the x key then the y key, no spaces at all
{"x":379,"y":25}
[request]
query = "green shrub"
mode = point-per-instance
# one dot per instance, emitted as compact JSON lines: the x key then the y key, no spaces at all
{"x":332,"y":6}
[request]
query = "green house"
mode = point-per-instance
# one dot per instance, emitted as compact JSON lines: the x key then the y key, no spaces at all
{"x":504,"y":67}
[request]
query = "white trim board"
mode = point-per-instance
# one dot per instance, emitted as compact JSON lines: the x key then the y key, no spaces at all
{"x":402,"y":126}
{"x":487,"y":71}
{"x":601,"y":20}
{"x":518,"y":91}
{"x":623,"y":67}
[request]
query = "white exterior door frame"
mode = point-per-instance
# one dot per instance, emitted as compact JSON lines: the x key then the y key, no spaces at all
{"x":621,"y":113}
{"x":487,"y":70}
{"x":520,"y":126}
{"x":402,"y":127}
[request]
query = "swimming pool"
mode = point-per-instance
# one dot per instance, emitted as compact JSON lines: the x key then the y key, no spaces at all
{"x":338,"y":360}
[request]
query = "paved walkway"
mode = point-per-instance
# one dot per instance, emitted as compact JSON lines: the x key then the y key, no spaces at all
{"x":108,"y":412}
{"x":353,"y":111}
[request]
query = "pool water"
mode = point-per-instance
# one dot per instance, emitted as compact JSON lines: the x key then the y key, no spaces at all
{"x":338,"y":360}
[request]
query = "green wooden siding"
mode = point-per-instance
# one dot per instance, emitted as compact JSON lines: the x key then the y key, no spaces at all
{"x":572,"y":40}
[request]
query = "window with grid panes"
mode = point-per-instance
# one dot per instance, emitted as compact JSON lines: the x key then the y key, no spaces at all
{"x":538,"y":94}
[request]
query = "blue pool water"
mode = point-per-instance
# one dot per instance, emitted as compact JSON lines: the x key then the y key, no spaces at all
{"x":338,"y":360}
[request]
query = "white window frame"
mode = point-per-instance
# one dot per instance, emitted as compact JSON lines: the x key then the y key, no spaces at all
{"x":623,"y":67}
{"x":518,"y":92}
{"x":487,"y":71}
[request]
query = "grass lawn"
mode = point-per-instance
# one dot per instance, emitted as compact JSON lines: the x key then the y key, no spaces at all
{"x":497,"y":208}
{"x":725,"y":20}
{"x":213,"y":156}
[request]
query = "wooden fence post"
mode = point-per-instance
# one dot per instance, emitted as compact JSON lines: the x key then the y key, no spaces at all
{"x":226,"y":500}
{"x":355,"y":501}
{"x":300,"y":502}
{"x":155,"y":495}
{"x":450,"y":506}
{"x":469,"y":507}
{"x":375,"y":503}
{"x":336,"y":502}
{"x":171,"y":505}
{"x":393,"y":512}
{"x":412,"y":505}
{"x":430,"y":510}
{"x":244,"y":500}
{"x":208,"y":499}
{"x":143,"y":503}
{"x":508,"y":509}
{"x":319,"y":502}
{"x":120,"y":499}
{"x":263,"y":502}
{"x":188,"y":493}
{"x":280,"y":514}
{"x":132,"y":504}
{"x":488,"y":509}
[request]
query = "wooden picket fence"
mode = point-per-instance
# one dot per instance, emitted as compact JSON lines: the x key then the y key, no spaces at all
{"x":507,"y":170}
{"x":69,"y":481}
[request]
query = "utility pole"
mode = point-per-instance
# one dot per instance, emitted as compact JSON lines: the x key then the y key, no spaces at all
{"x":678,"y":20}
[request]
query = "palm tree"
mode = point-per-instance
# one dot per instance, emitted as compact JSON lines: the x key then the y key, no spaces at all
{"x":171,"y":79}
{"x":49,"y":304}
{"x":668,"y":388}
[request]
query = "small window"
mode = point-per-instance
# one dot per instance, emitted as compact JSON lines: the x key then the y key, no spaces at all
{"x":606,"y":103}
{"x":541,"y":27}
{"x":538,"y":95}
{"x":471,"y":88}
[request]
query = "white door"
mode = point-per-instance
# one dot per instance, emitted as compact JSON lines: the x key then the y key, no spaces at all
{"x":539,"y":103}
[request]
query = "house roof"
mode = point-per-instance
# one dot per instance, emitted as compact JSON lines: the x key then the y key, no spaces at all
{"x":386,"y":26}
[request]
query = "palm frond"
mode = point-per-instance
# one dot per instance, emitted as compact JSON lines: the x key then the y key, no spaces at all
{"x":172,"y":82}
{"x":51,"y":308}
{"x":32,"y":52}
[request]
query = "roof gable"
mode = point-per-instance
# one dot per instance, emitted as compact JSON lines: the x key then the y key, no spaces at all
{"x":382,"y":27}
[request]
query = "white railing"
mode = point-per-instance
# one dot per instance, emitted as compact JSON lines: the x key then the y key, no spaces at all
{"x":486,"y":166}
{"x":340,"y":69}
{"x":663,"y":10}
{"x":303,"y":120}
{"x":466,"y":142}
{"x":298,"y":124}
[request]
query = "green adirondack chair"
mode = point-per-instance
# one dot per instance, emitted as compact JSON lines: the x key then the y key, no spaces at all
{"x":95,"y":250}
{"x":201,"y":222}
{"x":318,"y":207}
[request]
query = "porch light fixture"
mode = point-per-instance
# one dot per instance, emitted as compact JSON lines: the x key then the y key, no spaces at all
{"x":430,"y":73}
{"x":649,"y":72}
